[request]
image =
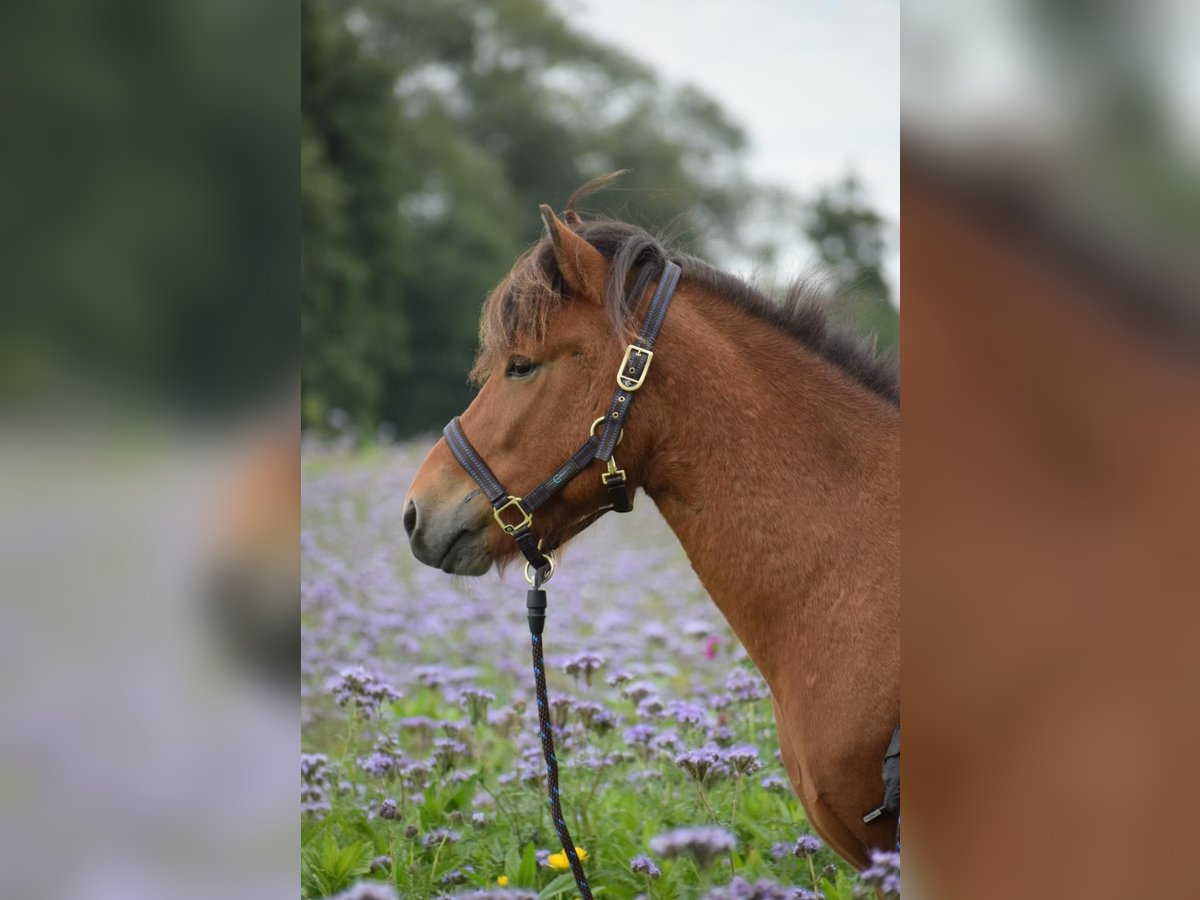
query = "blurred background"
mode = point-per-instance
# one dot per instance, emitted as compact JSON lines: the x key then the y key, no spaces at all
{"x":432,"y":131}
{"x":1051,"y":178}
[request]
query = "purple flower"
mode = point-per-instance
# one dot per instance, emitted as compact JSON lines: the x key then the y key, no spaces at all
{"x":637,"y":691}
{"x":476,"y":701}
{"x":774,"y":783}
{"x":745,"y":686}
{"x":447,"y":753}
{"x":667,"y":741}
{"x":367,"y":890}
{"x":316,"y":781}
{"x":689,"y":715}
{"x":358,"y":688}
{"x":703,"y":844}
{"x":416,"y":774}
{"x":650,"y":708}
{"x":741,"y":889}
{"x":433,"y":676}
{"x":742,"y":759}
{"x":560,"y":710}
{"x":422,"y":725}
{"x":387,"y":810}
{"x":884,"y":872}
{"x":381,"y":865}
{"x":588,"y":713}
{"x":314,"y":768}
{"x":643,"y":865}
{"x":722,"y":735}
{"x":380,"y":765}
{"x":807,"y":845}
{"x":640,"y":735}
{"x":441,"y":836}
{"x":585,"y":664}
{"x":701,"y":764}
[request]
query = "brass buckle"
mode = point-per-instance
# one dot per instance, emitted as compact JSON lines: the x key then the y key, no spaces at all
{"x":626,"y":378}
{"x":512,"y":529}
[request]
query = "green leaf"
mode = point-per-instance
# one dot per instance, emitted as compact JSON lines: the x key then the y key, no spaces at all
{"x":512,"y":864}
{"x":560,"y":885}
{"x":528,"y":870}
{"x":843,"y":889}
{"x":461,"y":799}
{"x":328,"y":868}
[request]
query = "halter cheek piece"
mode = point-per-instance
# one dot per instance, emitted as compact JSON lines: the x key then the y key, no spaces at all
{"x":515,"y":514}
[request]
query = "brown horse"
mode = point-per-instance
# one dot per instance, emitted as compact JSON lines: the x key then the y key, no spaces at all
{"x":769,"y":442}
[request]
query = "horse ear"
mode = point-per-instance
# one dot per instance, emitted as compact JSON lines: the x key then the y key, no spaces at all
{"x":583,"y":267}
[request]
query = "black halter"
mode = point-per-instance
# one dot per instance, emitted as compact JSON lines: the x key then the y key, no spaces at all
{"x":635,"y":365}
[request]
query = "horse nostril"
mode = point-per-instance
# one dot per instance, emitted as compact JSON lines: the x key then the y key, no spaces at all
{"x":410,"y":518}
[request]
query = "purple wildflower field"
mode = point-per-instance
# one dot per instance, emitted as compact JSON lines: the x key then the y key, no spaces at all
{"x":421,"y":773}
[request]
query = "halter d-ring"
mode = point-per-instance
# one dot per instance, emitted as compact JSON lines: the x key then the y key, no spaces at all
{"x":620,"y":434}
{"x":530,"y":574}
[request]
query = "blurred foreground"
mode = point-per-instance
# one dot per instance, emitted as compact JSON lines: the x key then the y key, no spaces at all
{"x":1051,"y":178}
{"x":148,"y":352}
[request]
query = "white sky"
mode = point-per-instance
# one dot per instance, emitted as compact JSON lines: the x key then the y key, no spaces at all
{"x":814,"y":83}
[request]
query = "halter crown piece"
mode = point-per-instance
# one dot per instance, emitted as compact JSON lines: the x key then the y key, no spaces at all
{"x":515,"y":516}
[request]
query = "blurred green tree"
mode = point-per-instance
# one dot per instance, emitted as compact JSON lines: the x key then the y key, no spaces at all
{"x":850,"y":239}
{"x":353,"y":255}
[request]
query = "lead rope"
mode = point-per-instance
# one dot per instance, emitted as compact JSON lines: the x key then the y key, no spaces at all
{"x":535,"y":605}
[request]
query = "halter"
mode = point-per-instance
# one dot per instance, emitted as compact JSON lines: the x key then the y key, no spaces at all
{"x":515,"y":516}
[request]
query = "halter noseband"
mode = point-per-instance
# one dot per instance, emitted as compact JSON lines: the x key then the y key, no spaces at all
{"x":518,"y":511}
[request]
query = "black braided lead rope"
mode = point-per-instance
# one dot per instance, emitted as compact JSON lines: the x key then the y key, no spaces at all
{"x":535,"y":603}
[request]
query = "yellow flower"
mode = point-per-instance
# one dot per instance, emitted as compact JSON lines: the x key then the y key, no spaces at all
{"x":502,"y":881}
{"x":559,"y":862}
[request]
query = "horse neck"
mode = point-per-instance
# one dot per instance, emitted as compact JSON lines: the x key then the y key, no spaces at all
{"x":780,"y":477}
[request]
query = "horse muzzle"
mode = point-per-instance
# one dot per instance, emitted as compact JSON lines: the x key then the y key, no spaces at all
{"x":453,"y":541}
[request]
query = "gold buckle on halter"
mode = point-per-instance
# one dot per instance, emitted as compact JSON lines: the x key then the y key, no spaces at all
{"x":514,"y":502}
{"x":627,"y":377}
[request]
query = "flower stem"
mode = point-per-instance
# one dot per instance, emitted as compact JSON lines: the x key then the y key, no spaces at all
{"x":436,"y":854}
{"x":704,"y":800}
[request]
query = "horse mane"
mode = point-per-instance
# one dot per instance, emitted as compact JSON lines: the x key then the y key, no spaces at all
{"x":532,"y":292}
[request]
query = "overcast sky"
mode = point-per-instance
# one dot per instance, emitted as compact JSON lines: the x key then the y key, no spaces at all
{"x":815,"y":83}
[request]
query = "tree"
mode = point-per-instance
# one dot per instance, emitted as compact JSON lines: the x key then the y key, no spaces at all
{"x":352,"y":254}
{"x":850,"y":239}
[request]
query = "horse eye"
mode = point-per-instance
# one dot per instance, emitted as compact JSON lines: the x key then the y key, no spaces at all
{"x":519,"y":367}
